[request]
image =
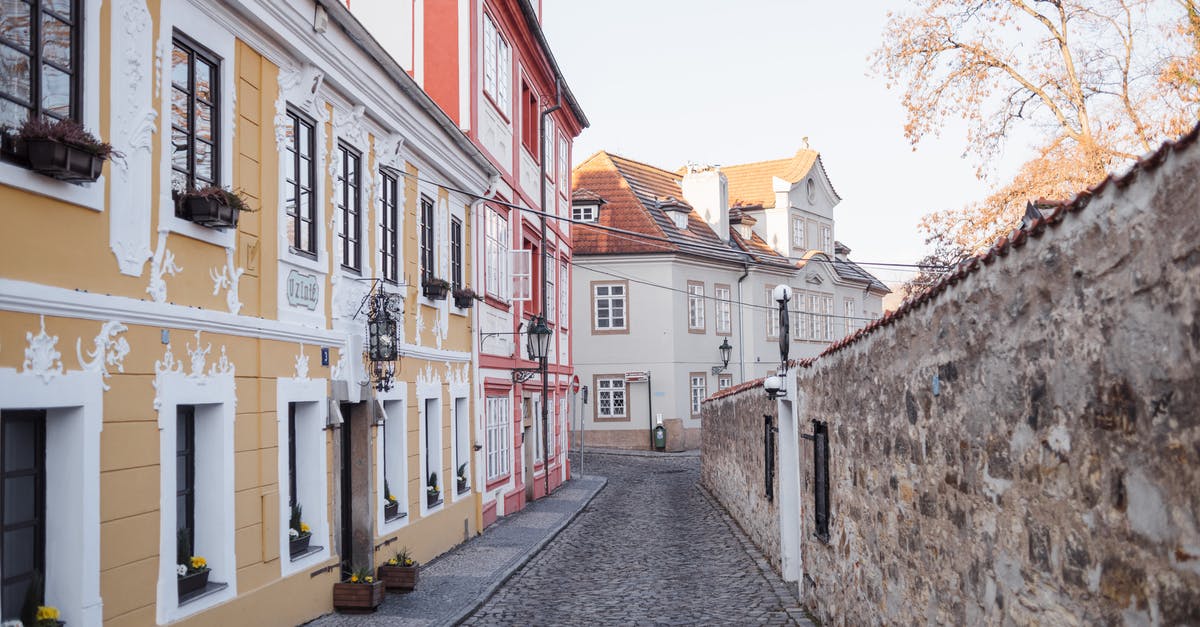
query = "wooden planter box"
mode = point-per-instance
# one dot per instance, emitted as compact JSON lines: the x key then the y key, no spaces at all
{"x":435,"y":291}
{"x":390,"y":509}
{"x":463,"y":302}
{"x":208,"y":211}
{"x":63,"y":161}
{"x":357,"y":598}
{"x":399,"y":577}
{"x":194,"y":582}
{"x":299,"y":544}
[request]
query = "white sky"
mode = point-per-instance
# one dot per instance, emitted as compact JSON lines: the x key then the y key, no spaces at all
{"x":724,"y":82}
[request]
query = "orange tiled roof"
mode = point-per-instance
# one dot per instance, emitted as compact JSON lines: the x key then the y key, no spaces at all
{"x":751,"y":183}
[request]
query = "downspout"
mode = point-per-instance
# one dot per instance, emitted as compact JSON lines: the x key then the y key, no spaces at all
{"x":542,"y":207}
{"x":742,"y":321}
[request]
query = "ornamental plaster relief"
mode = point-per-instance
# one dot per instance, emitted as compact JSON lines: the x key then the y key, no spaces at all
{"x":197,"y":361}
{"x":133,"y":121}
{"x":41,"y":358}
{"x":302,"y":365}
{"x":429,"y":383}
{"x":228,"y":279}
{"x":162,"y":264}
{"x":109,"y":350}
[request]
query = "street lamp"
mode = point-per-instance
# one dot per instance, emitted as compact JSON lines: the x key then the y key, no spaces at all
{"x":774,"y":387}
{"x":538,"y":339}
{"x":725,"y":349}
{"x":783,"y":295}
{"x":382,"y":351}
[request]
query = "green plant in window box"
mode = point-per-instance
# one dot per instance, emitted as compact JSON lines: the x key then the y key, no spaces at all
{"x":432,"y":492}
{"x":211,"y":206}
{"x":60,"y":149}
{"x":192,"y":570}
{"x":391,"y":506}
{"x":299,"y":533}
{"x":464,"y":297}
{"x":462,"y":477}
{"x":434,"y":288}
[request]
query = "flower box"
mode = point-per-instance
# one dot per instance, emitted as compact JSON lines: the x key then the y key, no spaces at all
{"x":435,"y":289}
{"x":433,"y":498}
{"x":193,"y":582}
{"x":63,"y":161}
{"x":299,"y":544}
{"x":391,"y":509}
{"x":462,"y":486}
{"x":357,"y":598}
{"x":208,"y":210}
{"x":399,"y":577}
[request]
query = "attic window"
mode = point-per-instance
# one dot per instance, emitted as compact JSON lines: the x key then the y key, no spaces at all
{"x":585,"y":213}
{"x":680,"y":218}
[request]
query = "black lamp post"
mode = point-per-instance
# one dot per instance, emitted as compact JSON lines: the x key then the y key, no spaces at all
{"x":538,"y":339}
{"x":726,"y":349}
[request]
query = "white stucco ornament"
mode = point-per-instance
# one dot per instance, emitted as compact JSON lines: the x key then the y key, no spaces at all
{"x":41,"y":358}
{"x":163,"y":263}
{"x":302,"y":364}
{"x":109,"y":350}
{"x":228,"y":278}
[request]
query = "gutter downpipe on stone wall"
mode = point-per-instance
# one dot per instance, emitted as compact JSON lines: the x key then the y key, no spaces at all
{"x":742,"y":321}
{"x":542,"y":206}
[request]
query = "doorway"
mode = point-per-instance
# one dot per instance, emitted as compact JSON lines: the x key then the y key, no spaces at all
{"x":346,"y":546}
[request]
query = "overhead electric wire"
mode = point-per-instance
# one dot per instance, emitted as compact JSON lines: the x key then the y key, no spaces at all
{"x":644,"y":236}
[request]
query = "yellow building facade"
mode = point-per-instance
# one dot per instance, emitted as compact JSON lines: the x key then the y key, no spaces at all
{"x":163,"y":379}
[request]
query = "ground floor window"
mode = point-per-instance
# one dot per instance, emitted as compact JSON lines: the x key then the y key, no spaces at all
{"x":434,"y":481}
{"x":395,"y":462}
{"x":462,"y":446}
{"x":699,"y":391}
{"x":499,"y":437}
{"x":610,"y":398}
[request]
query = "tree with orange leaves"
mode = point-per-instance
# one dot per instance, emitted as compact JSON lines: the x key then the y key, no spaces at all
{"x":1100,"y":81}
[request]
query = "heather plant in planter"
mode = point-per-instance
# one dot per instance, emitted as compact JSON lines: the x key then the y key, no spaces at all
{"x":435,"y":288}
{"x":192,"y":569}
{"x":464,"y":297}
{"x":400,"y":572}
{"x":299,"y":533}
{"x":60,"y":149}
{"x":360,"y":593}
{"x":211,"y":206}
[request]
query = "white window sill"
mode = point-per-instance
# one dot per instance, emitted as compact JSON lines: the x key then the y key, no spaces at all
{"x":87,"y":195}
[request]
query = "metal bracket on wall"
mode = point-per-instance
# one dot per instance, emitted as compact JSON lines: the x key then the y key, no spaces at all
{"x":521,"y":375}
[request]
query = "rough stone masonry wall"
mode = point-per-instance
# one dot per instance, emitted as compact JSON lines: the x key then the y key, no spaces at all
{"x":732,"y":466}
{"x":1055,"y":476}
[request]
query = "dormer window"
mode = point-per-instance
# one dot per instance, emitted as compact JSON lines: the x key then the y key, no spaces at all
{"x":585,"y":213}
{"x":678,"y":211}
{"x":680,"y":218}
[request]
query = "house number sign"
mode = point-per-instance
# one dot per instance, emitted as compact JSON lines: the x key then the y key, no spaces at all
{"x":303,"y":290}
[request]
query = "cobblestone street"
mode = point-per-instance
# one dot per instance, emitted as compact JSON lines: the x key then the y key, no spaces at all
{"x":651,"y":548}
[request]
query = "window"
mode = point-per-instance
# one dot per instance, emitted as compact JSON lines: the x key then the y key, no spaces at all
{"x":551,"y":131}
{"x":195,"y":123}
{"x":349,"y":201}
{"x":40,"y":45}
{"x":851,"y":319}
{"x":306,"y":487}
{"x":456,"y":253}
{"x":610,"y":397}
{"x":432,"y":458}
{"x":814,"y":319}
{"x":521,"y":264}
{"x":496,"y":264}
{"x":724,"y":381}
{"x":820,"y":440}
{"x":535,"y":406}
{"x":723,"y":308}
{"x":499,"y":437}
{"x":23,"y":505}
{"x":827,"y":316}
{"x":529,"y":120}
{"x":426,"y":226}
{"x":551,"y":293}
{"x":585,"y":213}
{"x":797,"y":232}
{"x":389,"y":236}
{"x":608,"y":307}
{"x":564,"y":295}
{"x":497,"y":66}
{"x":395,"y":458}
{"x":699,"y":389}
{"x":695,"y":296}
{"x":564,"y":170}
{"x":827,"y":238}
{"x":772,"y":314}
{"x":462,"y":447}
{"x":300,"y":198}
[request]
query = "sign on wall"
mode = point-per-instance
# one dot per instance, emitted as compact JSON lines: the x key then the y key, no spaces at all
{"x":303,"y":290}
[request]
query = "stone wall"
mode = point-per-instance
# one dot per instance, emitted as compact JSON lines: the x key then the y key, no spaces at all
{"x":732,"y":466}
{"x":1022,"y":445}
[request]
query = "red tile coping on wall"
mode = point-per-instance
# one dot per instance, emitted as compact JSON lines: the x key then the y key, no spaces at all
{"x":1016,"y":239}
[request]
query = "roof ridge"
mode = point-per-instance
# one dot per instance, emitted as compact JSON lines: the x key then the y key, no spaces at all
{"x":642,"y":163}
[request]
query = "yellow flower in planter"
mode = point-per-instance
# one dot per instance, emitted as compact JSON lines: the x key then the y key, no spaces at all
{"x":353,"y":578}
{"x":304,"y":528}
{"x":198,"y":562}
{"x":393,"y":562}
{"x":408,"y":561}
{"x":46,"y":612}
{"x":369,"y":579}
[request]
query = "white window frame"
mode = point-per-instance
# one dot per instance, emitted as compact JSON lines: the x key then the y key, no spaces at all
{"x":564,"y":170}
{"x":585,"y":213}
{"x":695,"y":306}
{"x":394,"y":404}
{"x":724,"y":381}
{"x":827,"y":310}
{"x":772,"y":316}
{"x":616,"y":388}
{"x":848,"y":307}
{"x":498,"y":410}
{"x":827,"y":238}
{"x":460,"y":445}
{"x":312,"y":481}
{"x":724,"y":310}
{"x":497,"y":281}
{"x":610,"y":299}
{"x":564,"y":295}
{"x":698,"y":386}
{"x":551,"y":291}
{"x":521,"y":266}
{"x":798,"y":232}
{"x":427,"y":465}
{"x":497,"y":66}
{"x":814,"y":305}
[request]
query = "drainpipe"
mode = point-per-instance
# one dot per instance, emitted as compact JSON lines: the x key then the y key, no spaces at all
{"x":742,"y":321}
{"x":542,"y":206}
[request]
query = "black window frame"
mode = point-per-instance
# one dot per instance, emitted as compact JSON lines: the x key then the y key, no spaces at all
{"x":292,"y":484}
{"x":456,"y":252}
{"x":350,"y":207}
{"x":426,"y":239}
{"x":196,"y":51}
{"x":37,"y":469}
{"x":389,"y":227}
{"x":36,"y":54}
{"x":821,"y":515}
{"x":185,"y":462}
{"x":296,"y":214}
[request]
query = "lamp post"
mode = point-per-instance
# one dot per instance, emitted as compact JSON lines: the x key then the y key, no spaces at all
{"x":726,"y":349}
{"x":774,"y":385}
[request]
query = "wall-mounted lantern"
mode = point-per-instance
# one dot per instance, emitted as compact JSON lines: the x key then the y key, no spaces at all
{"x":774,"y":387}
{"x":726,"y":350}
{"x":382,"y":350}
{"x":538,"y":338}
{"x":783,"y":296}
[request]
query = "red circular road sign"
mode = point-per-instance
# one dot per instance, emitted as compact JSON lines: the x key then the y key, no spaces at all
{"x":575,"y":383}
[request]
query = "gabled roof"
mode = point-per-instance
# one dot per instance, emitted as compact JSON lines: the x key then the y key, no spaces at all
{"x":752,"y":183}
{"x":849,"y":271}
{"x":634,"y":193}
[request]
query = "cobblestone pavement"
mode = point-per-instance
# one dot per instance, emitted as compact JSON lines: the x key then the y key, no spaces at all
{"x":651,"y":548}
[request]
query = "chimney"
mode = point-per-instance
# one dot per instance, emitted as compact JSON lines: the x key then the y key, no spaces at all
{"x":707,"y":191}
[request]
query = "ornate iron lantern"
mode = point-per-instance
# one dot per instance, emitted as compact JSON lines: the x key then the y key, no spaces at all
{"x":383,"y":312}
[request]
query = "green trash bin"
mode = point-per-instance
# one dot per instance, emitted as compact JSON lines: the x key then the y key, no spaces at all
{"x":660,"y":437}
